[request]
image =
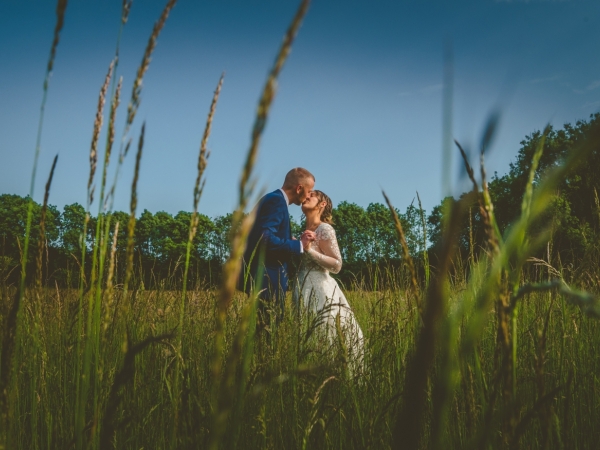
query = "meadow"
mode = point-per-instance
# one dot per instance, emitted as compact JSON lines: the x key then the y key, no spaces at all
{"x":495,"y":348}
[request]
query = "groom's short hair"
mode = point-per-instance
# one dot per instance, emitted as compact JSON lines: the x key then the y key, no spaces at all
{"x":296,"y":176}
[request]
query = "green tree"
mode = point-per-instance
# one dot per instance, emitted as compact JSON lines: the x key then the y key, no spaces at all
{"x":382,"y":243}
{"x":71,"y":229}
{"x":13,"y":218}
{"x":219,"y":238}
{"x":574,"y":214}
{"x":350,"y":222}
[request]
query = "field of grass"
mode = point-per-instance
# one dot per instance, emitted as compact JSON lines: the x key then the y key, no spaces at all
{"x":494,"y":352}
{"x":296,"y":392}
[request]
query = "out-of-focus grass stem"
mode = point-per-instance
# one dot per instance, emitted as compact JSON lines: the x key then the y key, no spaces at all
{"x":241,"y":226}
{"x":12,"y":324}
{"x":198,"y":188}
{"x":516,"y":272}
{"x":132,"y":209}
{"x":136,"y":92}
{"x":407,"y":259}
{"x":94,"y":295}
{"x":447,"y":119}
{"x":42,"y":237}
{"x":424,"y":242}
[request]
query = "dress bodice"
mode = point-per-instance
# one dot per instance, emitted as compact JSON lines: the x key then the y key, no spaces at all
{"x":324,"y":253}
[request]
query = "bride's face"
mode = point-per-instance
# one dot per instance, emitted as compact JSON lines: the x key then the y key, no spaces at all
{"x":311,"y":203}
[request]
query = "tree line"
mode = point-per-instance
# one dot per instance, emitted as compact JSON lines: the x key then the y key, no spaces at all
{"x":573,"y":219}
{"x":367,"y":236}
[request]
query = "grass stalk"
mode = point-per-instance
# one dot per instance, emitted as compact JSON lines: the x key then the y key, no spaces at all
{"x":92,"y":328}
{"x":198,"y":188}
{"x":11,"y":330}
{"x":136,"y":93}
{"x":408,"y":429}
{"x":136,"y":98}
{"x":447,"y":118}
{"x":241,"y":226}
{"x":407,"y":259}
{"x":123,"y":376}
{"x":42,"y":237}
{"x":34,"y":308}
{"x":109,"y":292}
{"x":424,"y":242}
{"x":517,"y":271}
{"x":131,"y":223}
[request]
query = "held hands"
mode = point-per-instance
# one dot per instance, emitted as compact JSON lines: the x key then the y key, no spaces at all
{"x":306,"y":239}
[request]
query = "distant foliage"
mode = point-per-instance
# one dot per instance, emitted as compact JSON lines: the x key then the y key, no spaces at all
{"x":366,"y":237}
{"x":574,"y":218}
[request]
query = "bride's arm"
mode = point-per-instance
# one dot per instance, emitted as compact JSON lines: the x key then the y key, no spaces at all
{"x":331,"y":258}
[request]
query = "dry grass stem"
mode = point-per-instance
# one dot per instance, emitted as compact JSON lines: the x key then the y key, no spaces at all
{"x":126,"y":7}
{"x":266,"y":99}
{"x":42,"y":237}
{"x":60,"y":20}
{"x":111,"y":127}
{"x":96,"y":133}
{"x":110,"y":138}
{"x":11,"y":325}
{"x":314,"y":413}
{"x":410,"y":418}
{"x":204,"y":153}
{"x":122,"y":377}
{"x":134,"y":103}
{"x":484,"y":210}
{"x":198,"y":188}
{"x":133,"y":207}
{"x":108,"y":293}
{"x":241,"y":224}
{"x":424,"y":241}
{"x":408,"y":261}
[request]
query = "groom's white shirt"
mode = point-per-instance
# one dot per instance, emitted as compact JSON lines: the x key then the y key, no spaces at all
{"x":287,"y":202}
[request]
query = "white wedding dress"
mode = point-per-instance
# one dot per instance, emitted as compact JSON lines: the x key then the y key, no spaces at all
{"x":319,"y":293}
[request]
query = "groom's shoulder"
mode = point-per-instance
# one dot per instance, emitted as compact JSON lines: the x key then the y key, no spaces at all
{"x":275,"y":194}
{"x":272,"y":198}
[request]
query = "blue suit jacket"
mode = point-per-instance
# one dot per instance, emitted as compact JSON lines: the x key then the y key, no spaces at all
{"x":270,"y":236}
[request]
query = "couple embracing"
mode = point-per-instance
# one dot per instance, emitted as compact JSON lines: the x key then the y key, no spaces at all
{"x":271,"y":249}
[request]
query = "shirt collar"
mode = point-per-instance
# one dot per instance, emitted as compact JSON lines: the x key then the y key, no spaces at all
{"x":287,"y":201}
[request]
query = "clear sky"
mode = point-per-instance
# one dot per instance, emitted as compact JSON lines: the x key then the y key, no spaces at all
{"x":359,"y":100}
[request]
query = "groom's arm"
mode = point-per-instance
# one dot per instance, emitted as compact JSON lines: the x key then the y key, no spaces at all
{"x":270,"y":217}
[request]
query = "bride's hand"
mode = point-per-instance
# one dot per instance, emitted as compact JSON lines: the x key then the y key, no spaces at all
{"x":306,"y":238}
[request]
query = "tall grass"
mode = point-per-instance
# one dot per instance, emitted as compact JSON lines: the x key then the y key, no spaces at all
{"x":498,"y":351}
{"x":198,"y":188}
{"x":224,"y":378}
{"x":10,"y":326}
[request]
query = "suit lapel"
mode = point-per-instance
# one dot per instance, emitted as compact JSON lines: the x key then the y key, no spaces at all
{"x":289,"y":225}
{"x":287,"y":216}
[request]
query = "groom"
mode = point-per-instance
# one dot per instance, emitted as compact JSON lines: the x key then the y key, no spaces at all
{"x":271,"y":241}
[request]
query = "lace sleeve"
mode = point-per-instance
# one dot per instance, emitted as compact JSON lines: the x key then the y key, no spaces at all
{"x":329,"y":257}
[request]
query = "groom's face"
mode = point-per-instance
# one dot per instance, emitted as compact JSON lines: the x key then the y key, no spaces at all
{"x":303,"y":191}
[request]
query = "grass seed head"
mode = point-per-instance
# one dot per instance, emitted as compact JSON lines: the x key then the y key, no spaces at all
{"x":134,"y":103}
{"x":96,"y":133}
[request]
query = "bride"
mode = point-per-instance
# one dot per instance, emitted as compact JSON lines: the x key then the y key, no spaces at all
{"x":316,"y":289}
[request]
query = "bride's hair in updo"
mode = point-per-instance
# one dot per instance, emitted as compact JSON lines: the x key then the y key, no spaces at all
{"x":327,"y":213}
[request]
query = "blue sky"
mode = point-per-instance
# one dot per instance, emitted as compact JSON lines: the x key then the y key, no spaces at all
{"x":359,"y":101}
